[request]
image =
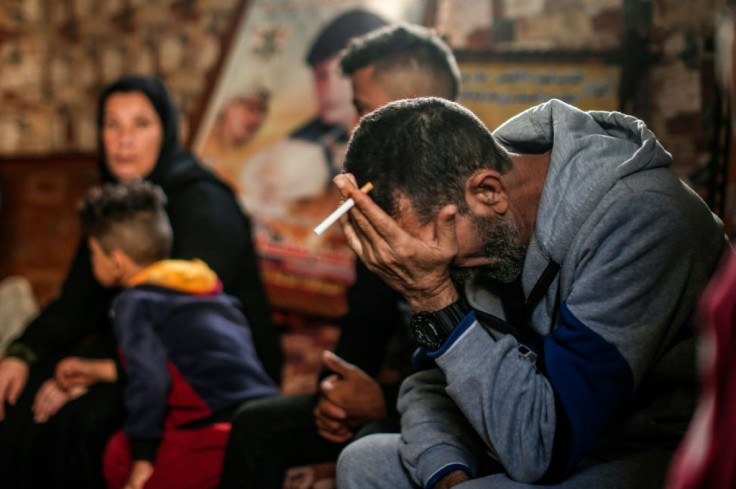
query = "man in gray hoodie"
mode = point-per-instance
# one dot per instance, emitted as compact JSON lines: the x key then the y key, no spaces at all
{"x":553,"y":267}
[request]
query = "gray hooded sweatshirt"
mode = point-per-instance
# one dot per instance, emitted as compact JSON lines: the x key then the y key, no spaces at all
{"x":611,"y":369}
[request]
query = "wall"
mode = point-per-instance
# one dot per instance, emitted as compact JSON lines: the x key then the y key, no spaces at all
{"x":38,"y":222}
{"x":665,"y":48}
{"x":56,"y":55}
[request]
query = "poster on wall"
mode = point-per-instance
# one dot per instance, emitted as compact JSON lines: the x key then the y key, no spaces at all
{"x":276,"y":129}
{"x":498,"y":89}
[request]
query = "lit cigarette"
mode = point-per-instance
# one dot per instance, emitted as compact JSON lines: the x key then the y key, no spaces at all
{"x":340,"y":211}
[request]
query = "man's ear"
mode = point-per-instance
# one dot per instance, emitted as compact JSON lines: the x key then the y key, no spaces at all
{"x":485,"y":192}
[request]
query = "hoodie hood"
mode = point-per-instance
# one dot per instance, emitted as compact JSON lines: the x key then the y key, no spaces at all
{"x":189,"y":276}
{"x":590,"y":152}
{"x":175,"y":166}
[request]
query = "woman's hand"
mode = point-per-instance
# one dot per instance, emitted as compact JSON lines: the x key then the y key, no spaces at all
{"x":415,"y":263}
{"x":51,"y":397}
{"x":13,"y":378}
{"x":79,"y":372}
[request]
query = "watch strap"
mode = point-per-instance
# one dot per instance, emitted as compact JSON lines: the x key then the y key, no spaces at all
{"x":450,"y":316}
{"x":432,"y":328}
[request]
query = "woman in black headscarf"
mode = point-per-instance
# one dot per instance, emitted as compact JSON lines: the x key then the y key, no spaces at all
{"x":134,"y":142}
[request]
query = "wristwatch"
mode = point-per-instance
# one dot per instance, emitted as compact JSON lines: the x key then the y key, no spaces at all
{"x":431,"y":329}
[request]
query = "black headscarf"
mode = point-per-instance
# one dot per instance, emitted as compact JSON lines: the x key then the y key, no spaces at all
{"x":174,"y":165}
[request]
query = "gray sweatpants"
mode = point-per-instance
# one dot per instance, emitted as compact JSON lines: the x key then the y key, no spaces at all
{"x":373,"y":462}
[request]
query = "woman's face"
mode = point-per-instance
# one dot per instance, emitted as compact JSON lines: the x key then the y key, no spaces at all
{"x":132,"y":134}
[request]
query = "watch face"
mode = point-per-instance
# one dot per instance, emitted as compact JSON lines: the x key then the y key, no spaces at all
{"x":425,"y":332}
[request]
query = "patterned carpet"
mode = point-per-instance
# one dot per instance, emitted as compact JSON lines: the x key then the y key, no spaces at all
{"x":303,"y":341}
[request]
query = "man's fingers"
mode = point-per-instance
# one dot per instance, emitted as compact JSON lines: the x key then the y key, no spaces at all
{"x":357,"y":240}
{"x":446,"y":237}
{"x":325,"y":423}
{"x":328,"y":409}
{"x":337,"y":364}
{"x":355,"y":237}
{"x":371,"y":232}
{"x":345,"y":183}
{"x":351,"y":235}
{"x":370,"y":244}
{"x":372,"y":220}
{"x":366,"y":215}
{"x":331,"y":429}
{"x":336,"y":438}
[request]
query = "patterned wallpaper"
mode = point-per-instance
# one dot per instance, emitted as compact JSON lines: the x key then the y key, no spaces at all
{"x":666,"y":47}
{"x":56,"y":55}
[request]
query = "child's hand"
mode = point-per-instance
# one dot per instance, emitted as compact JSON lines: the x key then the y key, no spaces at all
{"x":139,"y":474}
{"x":79,"y":372}
{"x":51,"y":397}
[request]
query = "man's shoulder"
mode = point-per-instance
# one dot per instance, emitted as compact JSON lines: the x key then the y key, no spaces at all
{"x":659,"y":194}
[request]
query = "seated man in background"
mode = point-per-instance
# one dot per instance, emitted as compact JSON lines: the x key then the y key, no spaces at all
{"x":187,"y":351}
{"x":553,"y":267}
{"x":271,"y":435}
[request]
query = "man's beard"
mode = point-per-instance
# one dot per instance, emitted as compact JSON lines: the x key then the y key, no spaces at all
{"x":503,"y":243}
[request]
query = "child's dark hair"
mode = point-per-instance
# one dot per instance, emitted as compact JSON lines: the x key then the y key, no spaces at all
{"x":130,"y":217}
